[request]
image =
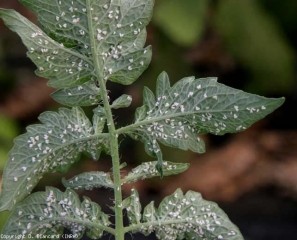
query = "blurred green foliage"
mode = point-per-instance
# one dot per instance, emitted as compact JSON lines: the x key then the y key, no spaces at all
{"x":285,"y":12}
{"x":252,"y":32}
{"x":182,"y":21}
{"x":256,"y":41}
{"x":3,"y":218}
{"x":5,"y":76}
{"x":8,"y":131}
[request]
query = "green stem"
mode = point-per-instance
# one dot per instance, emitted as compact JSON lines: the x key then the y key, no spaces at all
{"x":115,"y":163}
{"x":119,"y":226}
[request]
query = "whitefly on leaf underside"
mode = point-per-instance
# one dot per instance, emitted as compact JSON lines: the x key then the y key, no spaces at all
{"x":148,"y":170}
{"x":81,"y":41}
{"x":48,"y":147}
{"x":177,"y":114}
{"x":181,"y":216}
{"x":89,"y":180}
{"x":48,"y":213}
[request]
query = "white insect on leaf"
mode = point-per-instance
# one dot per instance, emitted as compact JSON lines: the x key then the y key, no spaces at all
{"x":51,"y":146}
{"x":181,"y":216}
{"x":55,"y":206}
{"x":177,"y":114}
{"x":76,"y":36}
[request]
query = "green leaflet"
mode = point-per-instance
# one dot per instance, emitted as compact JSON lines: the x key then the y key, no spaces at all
{"x":81,"y":36}
{"x":194,"y":106}
{"x":64,"y":66}
{"x":86,"y":94}
{"x":100,"y":113}
{"x":187,"y":217}
{"x":122,"y":102}
{"x":152,"y":148}
{"x":112,"y":28}
{"x":133,"y":207}
{"x":148,"y":170}
{"x":51,"y":146}
{"x":51,"y":211}
{"x":89,"y":180}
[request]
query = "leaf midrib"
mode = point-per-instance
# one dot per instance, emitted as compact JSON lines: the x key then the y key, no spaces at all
{"x":3,"y":11}
{"x":129,"y":128}
{"x":98,"y":184}
{"x":103,"y":135}
{"x":83,"y":222}
{"x":160,"y":223}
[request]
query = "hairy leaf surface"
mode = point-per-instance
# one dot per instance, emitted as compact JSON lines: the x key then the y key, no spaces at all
{"x":148,"y":170}
{"x":81,"y":36}
{"x":86,"y":94}
{"x":64,"y":66}
{"x":51,"y":211}
{"x":133,"y":207}
{"x":122,"y":102}
{"x":187,"y":217}
{"x":89,"y":180}
{"x":195,"y":106}
{"x":51,"y":146}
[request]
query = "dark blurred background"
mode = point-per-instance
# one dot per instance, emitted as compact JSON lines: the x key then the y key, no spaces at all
{"x":247,"y":44}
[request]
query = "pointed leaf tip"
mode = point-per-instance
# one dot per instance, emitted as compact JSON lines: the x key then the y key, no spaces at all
{"x":159,"y":168}
{"x":133,"y":207}
{"x":54,"y":61}
{"x":122,"y":58}
{"x":187,"y":217}
{"x":89,"y":180}
{"x":163,"y":75}
{"x":148,"y":170}
{"x":177,"y":114}
{"x":53,"y":145}
{"x":87,"y":94}
{"x":67,"y":49}
{"x":122,"y":102}
{"x":40,"y":212}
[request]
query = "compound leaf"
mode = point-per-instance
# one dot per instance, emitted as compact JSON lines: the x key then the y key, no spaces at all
{"x":81,"y":36}
{"x":148,"y":170}
{"x":194,"y":106}
{"x":187,"y":217}
{"x":89,"y":180}
{"x":87,"y":94}
{"x":65,"y":67}
{"x":51,"y":146}
{"x":47,"y":213}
